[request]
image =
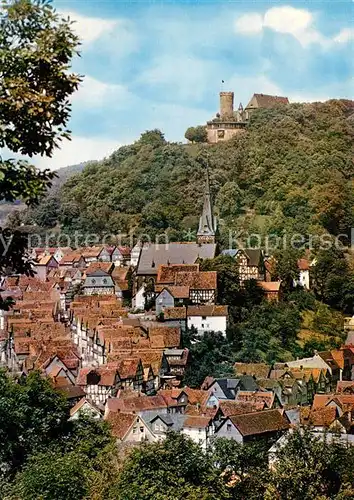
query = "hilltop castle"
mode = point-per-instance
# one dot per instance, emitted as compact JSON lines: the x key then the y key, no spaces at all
{"x":228,"y":122}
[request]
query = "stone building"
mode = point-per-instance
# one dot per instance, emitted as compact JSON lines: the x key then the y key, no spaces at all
{"x":229,"y":122}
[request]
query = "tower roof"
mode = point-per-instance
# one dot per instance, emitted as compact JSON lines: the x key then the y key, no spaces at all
{"x":207,"y":221}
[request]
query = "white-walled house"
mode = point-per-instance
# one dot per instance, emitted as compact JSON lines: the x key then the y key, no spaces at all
{"x":138,"y":301}
{"x":135,"y":254}
{"x":85,"y":407}
{"x":245,"y":427}
{"x":199,"y":429}
{"x":304,"y":274}
{"x":207,"y":318}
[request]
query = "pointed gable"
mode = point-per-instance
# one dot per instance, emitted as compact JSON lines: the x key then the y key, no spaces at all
{"x":207,"y":222}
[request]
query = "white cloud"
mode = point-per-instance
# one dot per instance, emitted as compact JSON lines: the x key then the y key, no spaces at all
{"x":90,"y":29}
{"x":116,"y":37}
{"x":96,"y":93}
{"x":344,"y":36}
{"x":249,"y":23}
{"x":298,"y":23}
{"x":288,"y":19}
{"x":79,"y":149}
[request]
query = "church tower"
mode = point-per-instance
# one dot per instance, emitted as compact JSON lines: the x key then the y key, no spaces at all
{"x":207,"y":222}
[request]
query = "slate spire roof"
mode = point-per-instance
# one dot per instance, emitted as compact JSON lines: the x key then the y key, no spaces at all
{"x":207,"y":221}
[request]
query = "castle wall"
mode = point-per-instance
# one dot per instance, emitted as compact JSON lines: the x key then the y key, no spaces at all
{"x":219,"y":132}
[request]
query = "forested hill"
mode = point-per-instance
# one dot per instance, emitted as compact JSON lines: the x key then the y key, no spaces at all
{"x":291,"y":170}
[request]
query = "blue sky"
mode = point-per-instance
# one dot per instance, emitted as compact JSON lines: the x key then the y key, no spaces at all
{"x":160,"y":64}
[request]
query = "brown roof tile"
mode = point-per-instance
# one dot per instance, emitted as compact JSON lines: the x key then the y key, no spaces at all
{"x":345,"y":386}
{"x":258,"y":370}
{"x":203,"y":280}
{"x":249,"y":396}
{"x":268,"y":101}
{"x":197,"y":421}
{"x":171,"y":313}
{"x":120,"y":423}
{"x":322,"y":417}
{"x":136,"y":404}
{"x":207,"y":310}
{"x":261,"y":422}
{"x":230,"y":407}
{"x":166,"y":273}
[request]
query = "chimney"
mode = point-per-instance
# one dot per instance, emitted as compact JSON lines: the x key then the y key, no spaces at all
{"x":226,"y":104}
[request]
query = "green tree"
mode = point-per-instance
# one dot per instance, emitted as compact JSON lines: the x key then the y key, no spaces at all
{"x":243,"y":467}
{"x":169,"y":470}
{"x":52,"y":475}
{"x":229,"y":200}
{"x":35,"y":83}
{"x":196,"y":134}
{"x":47,"y":213}
{"x":269,"y":333}
{"x":332,"y":280}
{"x":228,"y":278}
{"x":154,"y":138}
{"x":286,"y":268}
{"x":309,"y":468}
{"x":210,"y":354}
{"x":32,"y":415}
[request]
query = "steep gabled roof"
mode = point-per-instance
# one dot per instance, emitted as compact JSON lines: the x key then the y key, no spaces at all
{"x":262,"y":422}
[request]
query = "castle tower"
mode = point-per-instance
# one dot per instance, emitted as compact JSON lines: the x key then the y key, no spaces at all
{"x":207,"y":222}
{"x":226,"y":104}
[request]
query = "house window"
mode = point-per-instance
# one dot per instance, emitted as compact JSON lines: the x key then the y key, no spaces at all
{"x":221,"y":133}
{"x":104,"y":280}
{"x":203,"y":317}
{"x":141,"y":429}
{"x":134,"y":430}
{"x":228,"y":427}
{"x":93,"y":281}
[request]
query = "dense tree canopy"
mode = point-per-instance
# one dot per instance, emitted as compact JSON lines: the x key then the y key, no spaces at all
{"x":264,"y":181}
{"x":45,"y":455}
{"x":196,"y":134}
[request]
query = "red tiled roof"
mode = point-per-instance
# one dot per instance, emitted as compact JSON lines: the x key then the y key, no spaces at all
{"x":107,"y":375}
{"x":303,"y":264}
{"x":345,"y":386}
{"x":270,"y":286}
{"x":178,"y":292}
{"x":249,"y":396}
{"x":201,"y":280}
{"x":196,"y":421}
{"x":136,"y":404}
{"x":268,"y":101}
{"x":167,"y":273}
{"x":196,"y":396}
{"x":322,"y":417}
{"x":102,"y":266}
{"x":171,"y":336}
{"x":258,"y":370}
{"x":230,"y":407}
{"x":207,"y":310}
{"x":175,"y":313}
{"x":120,"y":423}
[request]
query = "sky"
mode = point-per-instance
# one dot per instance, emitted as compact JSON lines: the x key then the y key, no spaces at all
{"x":160,"y":64}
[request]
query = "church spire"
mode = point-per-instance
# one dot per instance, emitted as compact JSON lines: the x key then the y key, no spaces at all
{"x":207,"y":222}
